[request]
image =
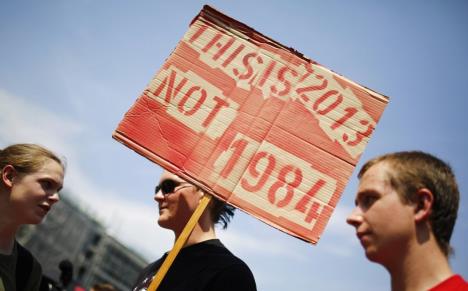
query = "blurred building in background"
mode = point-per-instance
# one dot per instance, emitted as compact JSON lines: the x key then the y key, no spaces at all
{"x":69,"y":233}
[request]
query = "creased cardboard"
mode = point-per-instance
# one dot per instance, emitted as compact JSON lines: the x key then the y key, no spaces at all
{"x":255,"y":123}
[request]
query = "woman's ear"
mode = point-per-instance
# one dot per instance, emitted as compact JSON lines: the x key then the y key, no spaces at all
{"x":424,"y":202}
{"x":8,"y":174}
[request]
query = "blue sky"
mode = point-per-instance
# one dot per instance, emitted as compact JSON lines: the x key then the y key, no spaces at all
{"x":69,"y":70}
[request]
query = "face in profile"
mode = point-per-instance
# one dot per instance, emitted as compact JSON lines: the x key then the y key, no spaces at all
{"x":177,"y":200}
{"x":383,"y":223}
{"x":33,"y":194}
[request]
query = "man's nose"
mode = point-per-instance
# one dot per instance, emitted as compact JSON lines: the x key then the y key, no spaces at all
{"x":355,"y":217}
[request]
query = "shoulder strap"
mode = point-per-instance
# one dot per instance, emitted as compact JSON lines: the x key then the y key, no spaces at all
{"x":24,"y":266}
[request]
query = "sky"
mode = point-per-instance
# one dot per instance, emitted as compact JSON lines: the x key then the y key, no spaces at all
{"x":69,"y":70}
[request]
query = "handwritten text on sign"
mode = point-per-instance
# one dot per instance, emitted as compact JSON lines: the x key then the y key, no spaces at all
{"x":259,"y":125}
{"x":282,"y":178}
{"x":193,"y":101}
{"x":346,"y":122}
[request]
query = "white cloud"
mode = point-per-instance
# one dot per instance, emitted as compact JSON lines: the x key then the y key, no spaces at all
{"x":22,"y":120}
{"x":135,"y":224}
{"x":337,"y":225}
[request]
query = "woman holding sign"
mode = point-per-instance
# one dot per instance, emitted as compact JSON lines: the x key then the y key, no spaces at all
{"x":204,"y":263}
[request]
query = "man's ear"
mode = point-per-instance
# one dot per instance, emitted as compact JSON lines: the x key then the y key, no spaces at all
{"x":424,"y":202}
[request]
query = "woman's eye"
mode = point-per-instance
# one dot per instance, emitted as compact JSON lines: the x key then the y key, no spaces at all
{"x":46,"y":184}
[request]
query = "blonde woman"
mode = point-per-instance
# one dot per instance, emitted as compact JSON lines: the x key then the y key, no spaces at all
{"x":31,"y":177}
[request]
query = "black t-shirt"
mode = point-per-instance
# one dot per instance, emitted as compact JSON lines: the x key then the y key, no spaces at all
{"x":19,"y":270}
{"x":206,"y":266}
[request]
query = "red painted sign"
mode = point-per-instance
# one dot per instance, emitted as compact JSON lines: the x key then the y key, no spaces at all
{"x":255,"y":123}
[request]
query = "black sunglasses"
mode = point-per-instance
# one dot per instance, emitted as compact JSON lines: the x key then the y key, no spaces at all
{"x":168,"y":186}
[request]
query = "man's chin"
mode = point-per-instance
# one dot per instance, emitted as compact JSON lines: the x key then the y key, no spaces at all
{"x":374,"y":256}
{"x":163,"y":223}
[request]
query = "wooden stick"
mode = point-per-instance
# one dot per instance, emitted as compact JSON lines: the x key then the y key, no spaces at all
{"x":180,"y":242}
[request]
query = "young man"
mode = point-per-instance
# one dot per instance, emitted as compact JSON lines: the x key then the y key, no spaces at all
{"x":406,"y":207}
{"x":203,"y":264}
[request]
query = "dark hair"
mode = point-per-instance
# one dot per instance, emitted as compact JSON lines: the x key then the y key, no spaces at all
{"x":414,"y":170}
{"x":66,"y":272}
{"x":27,"y":158}
{"x":221,"y":212}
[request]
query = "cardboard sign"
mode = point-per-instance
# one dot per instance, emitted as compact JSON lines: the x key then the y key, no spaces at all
{"x":255,"y":123}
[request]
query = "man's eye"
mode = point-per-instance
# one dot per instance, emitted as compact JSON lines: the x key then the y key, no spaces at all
{"x":367,"y":201}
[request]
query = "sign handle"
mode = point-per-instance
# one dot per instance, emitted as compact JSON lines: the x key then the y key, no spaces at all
{"x":180,"y":242}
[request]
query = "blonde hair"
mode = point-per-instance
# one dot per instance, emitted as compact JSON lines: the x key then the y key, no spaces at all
{"x":27,"y":158}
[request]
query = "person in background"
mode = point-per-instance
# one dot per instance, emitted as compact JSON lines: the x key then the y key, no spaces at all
{"x":406,"y":208}
{"x":204,"y":263}
{"x":66,"y":274}
{"x":31,"y":177}
{"x":66,"y":281}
